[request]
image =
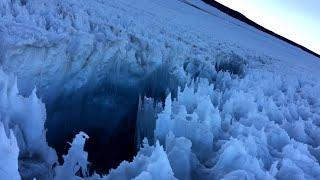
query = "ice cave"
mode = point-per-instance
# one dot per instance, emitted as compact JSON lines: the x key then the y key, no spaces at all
{"x":151,"y":90}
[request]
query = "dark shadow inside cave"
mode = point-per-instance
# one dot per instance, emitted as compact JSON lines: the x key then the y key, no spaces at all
{"x":108,"y":119}
{"x":107,"y":113}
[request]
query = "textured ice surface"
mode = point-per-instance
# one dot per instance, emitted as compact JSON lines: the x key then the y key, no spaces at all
{"x":246,"y":128}
{"x":25,"y":116}
{"x":151,"y":163}
{"x":235,"y":127}
{"x":9,"y":152}
{"x":75,"y":162}
{"x":248,"y":106}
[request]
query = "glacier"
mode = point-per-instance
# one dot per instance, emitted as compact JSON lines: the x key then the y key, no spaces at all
{"x":151,"y":90}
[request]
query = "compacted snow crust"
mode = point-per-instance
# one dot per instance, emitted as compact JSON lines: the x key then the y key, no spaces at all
{"x":239,"y":104}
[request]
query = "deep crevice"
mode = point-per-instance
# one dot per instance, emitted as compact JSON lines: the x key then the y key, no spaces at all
{"x":108,"y":114}
{"x":108,"y":119}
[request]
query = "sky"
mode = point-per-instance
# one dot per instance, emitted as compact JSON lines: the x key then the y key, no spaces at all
{"x":297,"y":20}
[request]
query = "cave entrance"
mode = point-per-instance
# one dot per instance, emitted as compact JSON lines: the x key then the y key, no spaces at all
{"x":108,"y":114}
{"x":108,"y":118}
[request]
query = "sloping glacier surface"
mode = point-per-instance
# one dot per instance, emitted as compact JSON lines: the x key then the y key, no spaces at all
{"x":125,"y":89}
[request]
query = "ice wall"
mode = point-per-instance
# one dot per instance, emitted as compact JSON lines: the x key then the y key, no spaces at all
{"x":9,"y":152}
{"x":25,"y":116}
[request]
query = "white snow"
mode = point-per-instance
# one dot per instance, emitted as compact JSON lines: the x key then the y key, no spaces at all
{"x":248,"y":106}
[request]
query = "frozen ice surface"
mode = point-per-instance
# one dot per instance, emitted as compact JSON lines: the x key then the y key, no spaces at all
{"x":76,"y":161}
{"x":9,"y":152}
{"x":25,"y":116}
{"x":151,"y":162}
{"x":233,"y":134}
{"x":247,"y":106}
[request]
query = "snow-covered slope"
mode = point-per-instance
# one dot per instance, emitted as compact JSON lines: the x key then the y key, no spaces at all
{"x":248,"y":106}
{"x":61,"y":45}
